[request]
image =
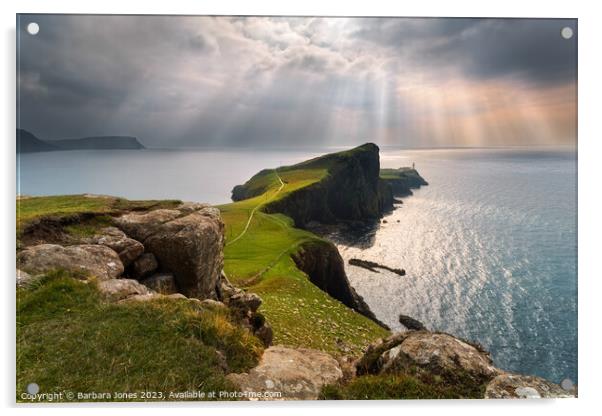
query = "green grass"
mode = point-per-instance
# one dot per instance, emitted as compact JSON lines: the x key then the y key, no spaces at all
{"x":70,"y":339}
{"x":400,"y":386}
{"x":300,"y":313}
{"x":89,"y":227}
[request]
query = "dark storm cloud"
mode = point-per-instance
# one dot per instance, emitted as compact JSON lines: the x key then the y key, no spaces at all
{"x":531,"y":48}
{"x":188,"y":81}
{"x":79,"y":70}
{"x":396,"y":32}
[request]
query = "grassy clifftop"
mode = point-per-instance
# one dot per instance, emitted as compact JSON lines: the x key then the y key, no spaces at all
{"x":69,"y":338}
{"x":300,"y":313}
{"x":302,"y":174}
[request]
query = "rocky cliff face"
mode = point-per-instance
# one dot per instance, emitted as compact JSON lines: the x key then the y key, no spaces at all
{"x":401,"y":181}
{"x":349,"y":192}
{"x":321,"y":261}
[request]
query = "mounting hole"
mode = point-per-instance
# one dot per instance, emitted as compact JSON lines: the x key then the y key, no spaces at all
{"x":33,"y":388}
{"x":567,"y":384}
{"x":33,"y":28}
{"x":566,"y":32}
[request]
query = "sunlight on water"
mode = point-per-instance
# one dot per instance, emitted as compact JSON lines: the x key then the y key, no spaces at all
{"x":490,"y":254}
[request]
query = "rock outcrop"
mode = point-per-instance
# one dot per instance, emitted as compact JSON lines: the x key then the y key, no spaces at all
{"x":84,"y":259}
{"x":433,"y":352}
{"x":187,"y":243}
{"x":141,"y":225}
{"x":295,"y":373}
{"x":411,"y":323}
{"x":438,"y":354}
{"x":324,"y":266}
{"x":120,"y":289}
{"x":127,"y":248}
{"x":372,"y":266}
{"x":244,"y":306}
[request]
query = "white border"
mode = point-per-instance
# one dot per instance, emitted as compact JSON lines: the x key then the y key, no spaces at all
{"x":589,"y":186}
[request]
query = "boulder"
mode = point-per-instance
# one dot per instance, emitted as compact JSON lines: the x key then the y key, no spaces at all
{"x":440,"y":353}
{"x":513,"y":386}
{"x":432,"y":352}
{"x":120,"y":289}
{"x":297,"y":373}
{"x":191,"y":247}
{"x":87,"y":259}
{"x":127,"y":248}
{"x":140,"y":226}
{"x":144,"y":266}
{"x":377,"y":354}
{"x":163,"y":283}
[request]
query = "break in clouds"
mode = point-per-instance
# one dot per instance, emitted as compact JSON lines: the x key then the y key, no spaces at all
{"x":238,"y":81}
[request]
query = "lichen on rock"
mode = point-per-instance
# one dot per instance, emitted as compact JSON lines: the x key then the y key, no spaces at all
{"x":294,"y":373}
{"x":84,"y":259}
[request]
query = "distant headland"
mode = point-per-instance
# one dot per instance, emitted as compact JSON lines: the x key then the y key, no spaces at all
{"x":27,"y":142}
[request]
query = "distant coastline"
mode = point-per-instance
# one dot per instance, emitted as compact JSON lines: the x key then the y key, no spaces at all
{"x":27,"y":142}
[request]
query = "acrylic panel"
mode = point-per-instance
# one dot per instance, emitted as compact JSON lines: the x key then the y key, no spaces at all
{"x":295,"y":208}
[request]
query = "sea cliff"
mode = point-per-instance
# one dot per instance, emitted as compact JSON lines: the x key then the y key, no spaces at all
{"x":349,"y":188}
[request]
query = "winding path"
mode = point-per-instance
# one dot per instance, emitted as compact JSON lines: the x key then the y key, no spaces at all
{"x":239,"y":236}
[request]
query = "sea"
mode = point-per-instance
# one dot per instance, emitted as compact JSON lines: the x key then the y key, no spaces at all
{"x":489,"y":246}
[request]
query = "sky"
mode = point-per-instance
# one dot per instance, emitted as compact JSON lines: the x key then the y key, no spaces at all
{"x":184,"y":81}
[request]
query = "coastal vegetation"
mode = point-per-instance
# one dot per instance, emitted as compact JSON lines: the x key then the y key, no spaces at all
{"x":69,"y":338}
